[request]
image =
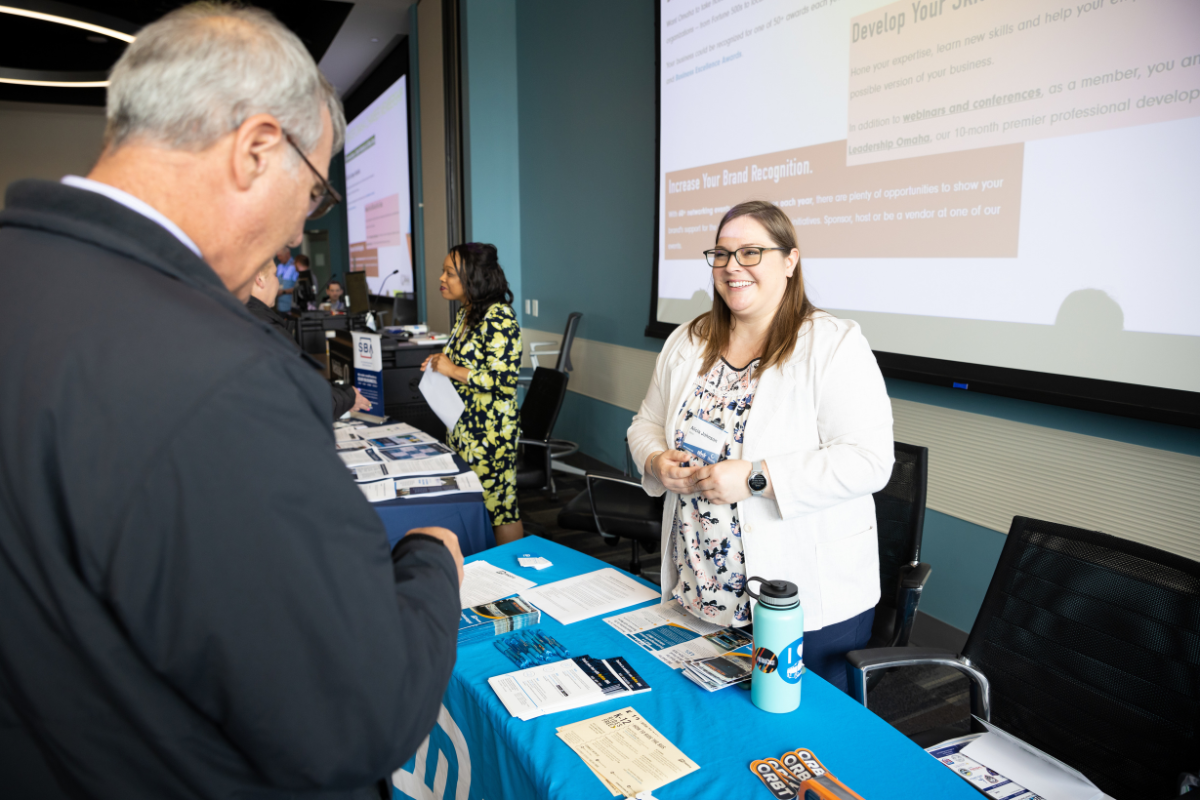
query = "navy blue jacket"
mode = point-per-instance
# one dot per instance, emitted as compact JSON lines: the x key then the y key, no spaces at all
{"x":195,"y":599}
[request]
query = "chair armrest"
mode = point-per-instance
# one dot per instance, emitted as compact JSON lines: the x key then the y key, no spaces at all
{"x":591,"y":479}
{"x":535,"y":353}
{"x":915,"y":576}
{"x":908,"y":597}
{"x":864,"y":662}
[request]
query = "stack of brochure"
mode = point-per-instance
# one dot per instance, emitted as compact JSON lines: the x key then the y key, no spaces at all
{"x":491,"y":619}
{"x":675,"y":637}
{"x":718,"y":672}
{"x":562,"y":685}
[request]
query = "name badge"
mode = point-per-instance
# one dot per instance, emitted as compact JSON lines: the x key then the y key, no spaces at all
{"x":704,"y":440}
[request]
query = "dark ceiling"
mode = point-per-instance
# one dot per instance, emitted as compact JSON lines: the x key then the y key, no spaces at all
{"x":32,"y":44}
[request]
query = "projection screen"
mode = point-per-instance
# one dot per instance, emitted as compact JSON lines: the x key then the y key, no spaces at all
{"x":1011,"y":185}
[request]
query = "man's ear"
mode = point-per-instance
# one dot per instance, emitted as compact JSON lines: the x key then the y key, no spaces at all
{"x":254,"y":143}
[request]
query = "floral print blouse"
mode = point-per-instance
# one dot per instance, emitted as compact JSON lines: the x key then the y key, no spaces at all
{"x":706,"y":539}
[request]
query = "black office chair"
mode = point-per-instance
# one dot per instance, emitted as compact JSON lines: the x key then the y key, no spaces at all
{"x":900,"y":520}
{"x":1088,"y":647}
{"x":616,"y":508}
{"x":539,"y":412}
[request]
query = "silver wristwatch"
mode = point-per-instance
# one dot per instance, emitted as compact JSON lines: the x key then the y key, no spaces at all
{"x":757,"y":481}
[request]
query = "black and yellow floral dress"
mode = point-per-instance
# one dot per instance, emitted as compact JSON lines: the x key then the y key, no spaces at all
{"x":486,"y":433}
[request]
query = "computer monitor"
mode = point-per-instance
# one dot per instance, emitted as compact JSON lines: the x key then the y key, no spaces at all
{"x":356,"y":292}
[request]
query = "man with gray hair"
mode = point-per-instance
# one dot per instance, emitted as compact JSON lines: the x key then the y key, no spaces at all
{"x":197,"y":600}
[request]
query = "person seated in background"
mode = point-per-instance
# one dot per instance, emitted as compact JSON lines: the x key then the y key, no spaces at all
{"x":304,"y":294}
{"x":287,"y":274}
{"x":263,"y":292}
{"x":335,"y":293}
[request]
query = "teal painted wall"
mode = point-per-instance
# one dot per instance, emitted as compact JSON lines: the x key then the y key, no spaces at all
{"x":585,"y":129}
{"x":586,"y":74}
{"x":414,"y":148}
{"x":963,"y":556}
{"x":1105,"y":426}
{"x":491,"y":133}
{"x":335,"y":223}
{"x":597,"y":427}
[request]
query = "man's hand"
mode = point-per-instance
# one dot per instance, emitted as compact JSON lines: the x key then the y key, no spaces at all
{"x":360,"y":403}
{"x":724,"y":482}
{"x":448,"y":538}
{"x":671,"y":470}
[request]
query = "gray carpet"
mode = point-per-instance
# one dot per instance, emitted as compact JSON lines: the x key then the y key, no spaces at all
{"x":912,"y":700}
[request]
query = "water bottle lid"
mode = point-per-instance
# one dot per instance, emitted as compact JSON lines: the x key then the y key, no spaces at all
{"x":775,"y":594}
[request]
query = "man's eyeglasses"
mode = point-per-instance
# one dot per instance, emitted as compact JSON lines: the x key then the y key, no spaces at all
{"x":746,"y":256}
{"x":324,"y":197}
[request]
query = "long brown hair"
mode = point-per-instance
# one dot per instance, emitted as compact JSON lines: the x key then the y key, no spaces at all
{"x":794,"y":310}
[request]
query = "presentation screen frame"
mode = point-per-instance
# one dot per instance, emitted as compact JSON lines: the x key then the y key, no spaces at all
{"x":393,"y":67}
{"x":1137,"y":401}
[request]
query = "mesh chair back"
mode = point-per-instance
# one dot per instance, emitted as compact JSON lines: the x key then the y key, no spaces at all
{"x":900,"y":517}
{"x":1091,"y":644}
{"x":564,"y":347}
{"x":543,"y":401}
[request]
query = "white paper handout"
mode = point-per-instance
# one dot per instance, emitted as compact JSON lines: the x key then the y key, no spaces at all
{"x":421,"y":487}
{"x":544,"y":689}
{"x":1030,"y":767}
{"x":483,"y":583}
{"x":589,"y":595}
{"x":435,"y":465}
{"x":626,"y":752}
{"x":349,"y":434}
{"x":352,"y":453}
{"x":442,"y":397}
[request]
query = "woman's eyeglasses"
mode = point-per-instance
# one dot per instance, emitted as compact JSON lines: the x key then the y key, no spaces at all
{"x":323,"y":197}
{"x":746,"y":256}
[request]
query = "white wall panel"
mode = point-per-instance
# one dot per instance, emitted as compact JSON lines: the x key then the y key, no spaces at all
{"x":986,"y":470}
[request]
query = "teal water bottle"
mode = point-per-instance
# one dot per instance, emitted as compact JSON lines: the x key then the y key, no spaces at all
{"x":778,"y":646}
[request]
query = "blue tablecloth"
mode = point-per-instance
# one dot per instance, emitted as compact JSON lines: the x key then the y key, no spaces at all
{"x":478,"y":751}
{"x":465,"y":514}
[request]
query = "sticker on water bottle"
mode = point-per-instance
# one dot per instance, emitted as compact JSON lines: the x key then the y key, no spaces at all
{"x":791,"y":661}
{"x":765,"y":661}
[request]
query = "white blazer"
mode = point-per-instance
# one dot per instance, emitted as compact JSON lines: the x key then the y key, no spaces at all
{"x":823,"y":424}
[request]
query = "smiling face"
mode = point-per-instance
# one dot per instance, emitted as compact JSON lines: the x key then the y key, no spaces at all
{"x":752,"y":292}
{"x":450,"y":283}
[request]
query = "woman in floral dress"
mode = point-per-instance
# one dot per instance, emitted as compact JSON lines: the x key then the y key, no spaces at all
{"x":483,"y":358}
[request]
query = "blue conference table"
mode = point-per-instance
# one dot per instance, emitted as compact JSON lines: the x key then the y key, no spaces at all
{"x":478,"y":751}
{"x":465,"y":514}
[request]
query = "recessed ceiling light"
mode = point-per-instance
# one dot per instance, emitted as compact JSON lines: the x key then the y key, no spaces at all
{"x":74,"y":23}
{"x":73,"y":80}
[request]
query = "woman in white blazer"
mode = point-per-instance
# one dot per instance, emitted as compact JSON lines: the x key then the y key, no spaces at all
{"x":768,"y":425}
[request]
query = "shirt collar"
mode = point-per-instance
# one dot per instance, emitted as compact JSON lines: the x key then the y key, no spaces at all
{"x":133,"y":204}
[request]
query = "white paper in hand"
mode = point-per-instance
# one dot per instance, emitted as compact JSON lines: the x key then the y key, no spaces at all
{"x":442,"y":397}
